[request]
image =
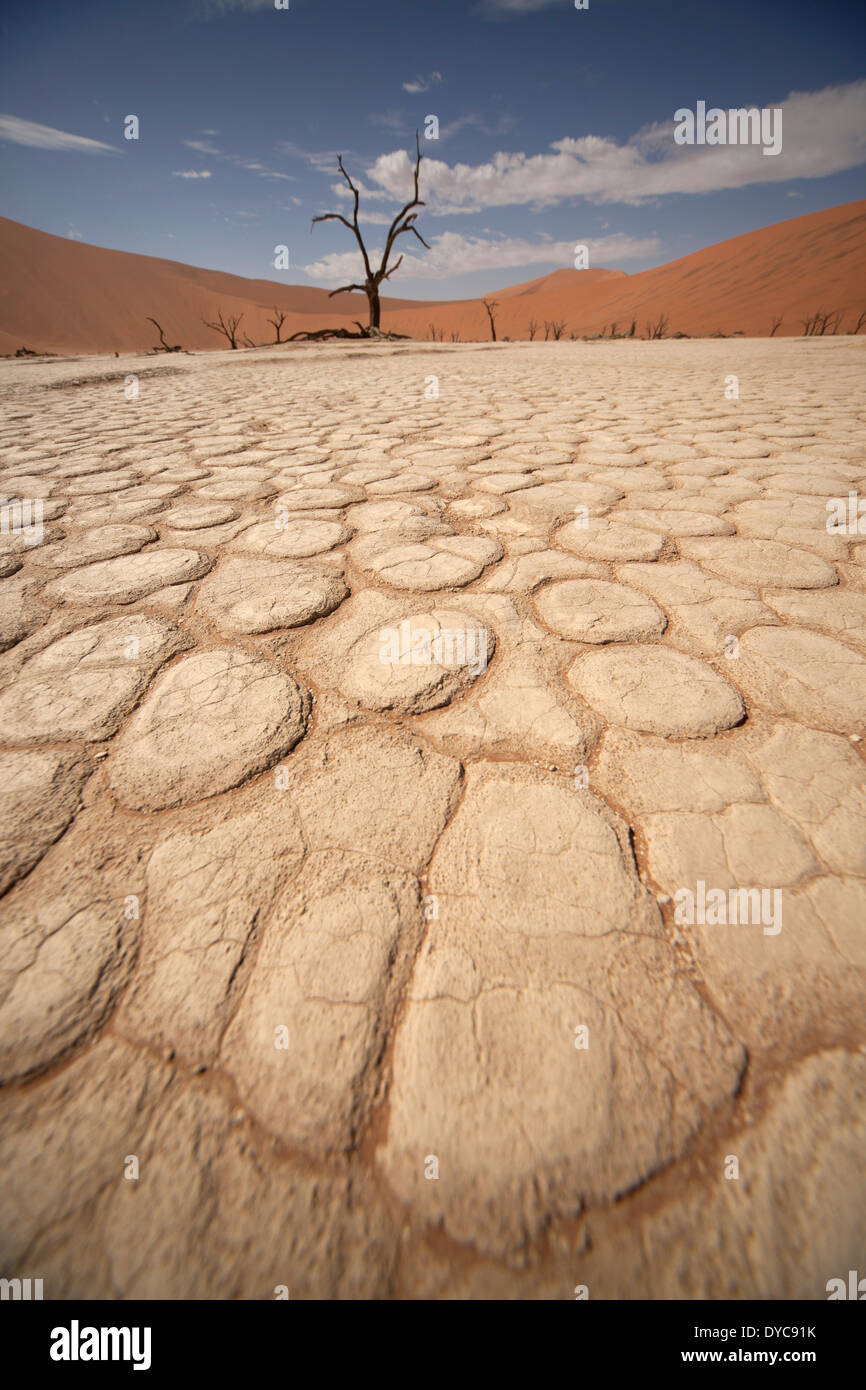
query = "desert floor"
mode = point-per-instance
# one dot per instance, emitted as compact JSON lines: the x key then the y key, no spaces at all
{"x":363,"y":978}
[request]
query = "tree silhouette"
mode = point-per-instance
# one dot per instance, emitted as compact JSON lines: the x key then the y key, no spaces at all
{"x":278,"y":320}
{"x":227,"y":327}
{"x":658,"y":329}
{"x":403,"y":222}
{"x":490,"y":305}
{"x":163,"y":345}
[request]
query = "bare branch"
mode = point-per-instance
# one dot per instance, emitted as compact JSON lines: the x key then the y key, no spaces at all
{"x":658,"y":329}
{"x":163,"y":345}
{"x":332,"y":217}
{"x":228,"y":329}
{"x":490,"y":305}
{"x":278,"y":320}
{"x":405,"y":216}
{"x":403,"y":222}
{"x":389,"y":273}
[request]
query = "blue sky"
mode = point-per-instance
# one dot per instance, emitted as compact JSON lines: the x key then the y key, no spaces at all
{"x":555,"y":127}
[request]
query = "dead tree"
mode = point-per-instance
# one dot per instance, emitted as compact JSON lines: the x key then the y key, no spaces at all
{"x":278,"y":320}
{"x":319,"y":335}
{"x":490,"y":305}
{"x":777,"y":323}
{"x":858,"y":325}
{"x":816,"y":326}
{"x":533,"y":329}
{"x":455,"y":337}
{"x":557,"y":328}
{"x":658,"y":329}
{"x":228,"y":328}
{"x":163,"y":345}
{"x":632,"y":329}
{"x":403,"y":222}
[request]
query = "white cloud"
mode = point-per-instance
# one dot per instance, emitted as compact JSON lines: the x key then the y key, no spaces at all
{"x":45,"y":137}
{"x":423,"y":84}
{"x":190,"y":173}
{"x":823,"y":133}
{"x":455,"y":254}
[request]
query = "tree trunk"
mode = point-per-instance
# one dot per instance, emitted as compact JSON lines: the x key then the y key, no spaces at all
{"x":375,"y":306}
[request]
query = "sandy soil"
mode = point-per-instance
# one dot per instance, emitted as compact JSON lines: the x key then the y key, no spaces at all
{"x":63,"y":296}
{"x":365,"y":969}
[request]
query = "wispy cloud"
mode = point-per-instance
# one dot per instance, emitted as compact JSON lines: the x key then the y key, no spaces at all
{"x":455,"y":254}
{"x":45,"y":137}
{"x":403,"y":123}
{"x":203,"y":147}
{"x":824,"y":133}
{"x":253,"y":166}
{"x":191,"y":173}
{"x":391,"y":120}
{"x":323,"y":160}
{"x":472,"y":120}
{"x":423,"y":84}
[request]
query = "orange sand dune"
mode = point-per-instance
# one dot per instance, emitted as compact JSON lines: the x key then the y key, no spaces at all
{"x":64,"y":296}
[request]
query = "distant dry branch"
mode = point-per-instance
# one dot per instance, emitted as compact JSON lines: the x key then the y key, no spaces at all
{"x":228,"y":327}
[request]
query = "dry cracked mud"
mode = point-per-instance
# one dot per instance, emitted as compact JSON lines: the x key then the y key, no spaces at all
{"x":434,"y":830}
